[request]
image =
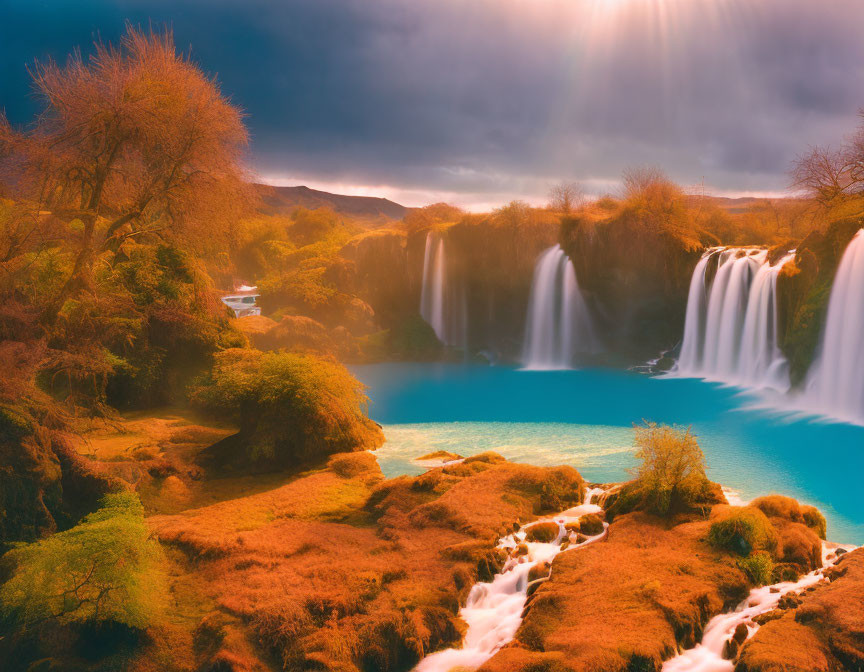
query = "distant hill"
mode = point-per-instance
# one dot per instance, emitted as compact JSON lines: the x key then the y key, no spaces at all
{"x":285,"y":199}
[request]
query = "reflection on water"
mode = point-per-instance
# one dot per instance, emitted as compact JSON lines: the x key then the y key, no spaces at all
{"x":583,"y":418}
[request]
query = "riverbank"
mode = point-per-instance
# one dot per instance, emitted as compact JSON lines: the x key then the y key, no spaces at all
{"x":584,"y":418}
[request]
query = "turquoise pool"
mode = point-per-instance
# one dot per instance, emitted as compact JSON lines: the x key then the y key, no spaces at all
{"x":583,"y":418}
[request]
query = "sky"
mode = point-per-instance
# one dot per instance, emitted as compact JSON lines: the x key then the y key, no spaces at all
{"x":478,"y":102}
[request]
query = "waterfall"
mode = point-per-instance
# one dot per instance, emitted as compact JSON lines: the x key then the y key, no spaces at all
{"x":730,"y":330}
{"x":559,"y":325}
{"x":442,"y":306}
{"x":835,"y":385}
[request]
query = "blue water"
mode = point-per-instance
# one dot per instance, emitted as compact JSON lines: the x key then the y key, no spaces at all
{"x":584,"y":418}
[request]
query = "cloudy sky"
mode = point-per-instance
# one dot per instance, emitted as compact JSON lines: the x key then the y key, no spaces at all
{"x":478,"y":102}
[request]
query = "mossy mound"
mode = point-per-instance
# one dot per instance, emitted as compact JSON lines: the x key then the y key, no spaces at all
{"x":742,"y":530}
{"x":778,"y":506}
{"x":542,"y":532}
{"x":591,"y":525}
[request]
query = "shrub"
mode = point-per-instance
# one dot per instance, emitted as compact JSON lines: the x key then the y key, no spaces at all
{"x":814,"y":519}
{"x":800,"y":546}
{"x":672,"y":474}
{"x":291,"y":407}
{"x":778,"y":506}
{"x":105,"y":569}
{"x":743,"y":529}
{"x":759,"y":567}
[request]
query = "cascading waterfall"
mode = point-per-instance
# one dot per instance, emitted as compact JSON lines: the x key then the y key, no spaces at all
{"x":442,"y":306}
{"x":493,"y":611}
{"x":559,"y":325}
{"x":730,"y":331}
{"x":835,"y":385}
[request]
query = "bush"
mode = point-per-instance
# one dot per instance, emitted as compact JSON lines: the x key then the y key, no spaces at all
{"x":672,"y":475}
{"x":743,"y":529}
{"x":759,"y":567}
{"x":814,"y":519}
{"x":778,"y":506}
{"x":291,"y":407}
{"x":105,"y":569}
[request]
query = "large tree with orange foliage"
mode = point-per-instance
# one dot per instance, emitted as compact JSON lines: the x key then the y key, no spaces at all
{"x":133,"y":142}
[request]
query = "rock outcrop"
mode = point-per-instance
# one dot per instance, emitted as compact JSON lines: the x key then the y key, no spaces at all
{"x":635,"y":277}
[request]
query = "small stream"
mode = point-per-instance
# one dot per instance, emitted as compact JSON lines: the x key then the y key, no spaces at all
{"x":493,"y":611}
{"x":707,"y":656}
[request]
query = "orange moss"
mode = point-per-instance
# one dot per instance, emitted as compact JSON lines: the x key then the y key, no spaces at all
{"x":338,"y":570}
{"x":778,"y":506}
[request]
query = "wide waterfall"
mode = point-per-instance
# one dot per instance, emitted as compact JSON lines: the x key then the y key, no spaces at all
{"x":559,"y":326}
{"x":730,"y":331}
{"x":835,"y":385}
{"x":442,"y":305}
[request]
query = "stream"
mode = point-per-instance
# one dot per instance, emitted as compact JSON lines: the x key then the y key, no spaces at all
{"x":707,"y":656}
{"x":493,"y":611}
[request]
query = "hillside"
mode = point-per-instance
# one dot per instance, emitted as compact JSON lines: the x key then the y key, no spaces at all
{"x":285,"y":199}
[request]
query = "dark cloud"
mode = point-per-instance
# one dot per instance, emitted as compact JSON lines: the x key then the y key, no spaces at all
{"x":497,"y":98}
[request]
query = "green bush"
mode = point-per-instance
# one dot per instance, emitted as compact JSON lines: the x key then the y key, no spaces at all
{"x":759,"y":567}
{"x":292,"y":407}
{"x":105,"y":569}
{"x":743,"y":530}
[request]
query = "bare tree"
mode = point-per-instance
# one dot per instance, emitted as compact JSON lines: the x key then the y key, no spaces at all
{"x":566,"y":197}
{"x":826,"y":174}
{"x":831,"y":175}
{"x":135,"y":141}
{"x":638,"y":180}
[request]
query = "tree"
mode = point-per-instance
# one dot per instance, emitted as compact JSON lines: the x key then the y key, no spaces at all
{"x":672,"y":473}
{"x":639,"y":180}
{"x":565,"y":197}
{"x":831,"y":175}
{"x":135,"y":141}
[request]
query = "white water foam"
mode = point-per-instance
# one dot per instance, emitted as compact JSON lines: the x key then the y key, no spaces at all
{"x":493,"y":611}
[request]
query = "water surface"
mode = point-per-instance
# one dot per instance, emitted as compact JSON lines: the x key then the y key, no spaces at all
{"x":584,"y":418}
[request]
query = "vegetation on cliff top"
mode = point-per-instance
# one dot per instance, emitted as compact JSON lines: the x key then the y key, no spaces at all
{"x":833,"y":180}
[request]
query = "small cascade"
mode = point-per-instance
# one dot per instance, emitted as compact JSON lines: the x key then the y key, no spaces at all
{"x":835,"y":385}
{"x":442,"y":305}
{"x":559,"y":326}
{"x":713,"y":652}
{"x":493,"y":611}
{"x":730,"y":331}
